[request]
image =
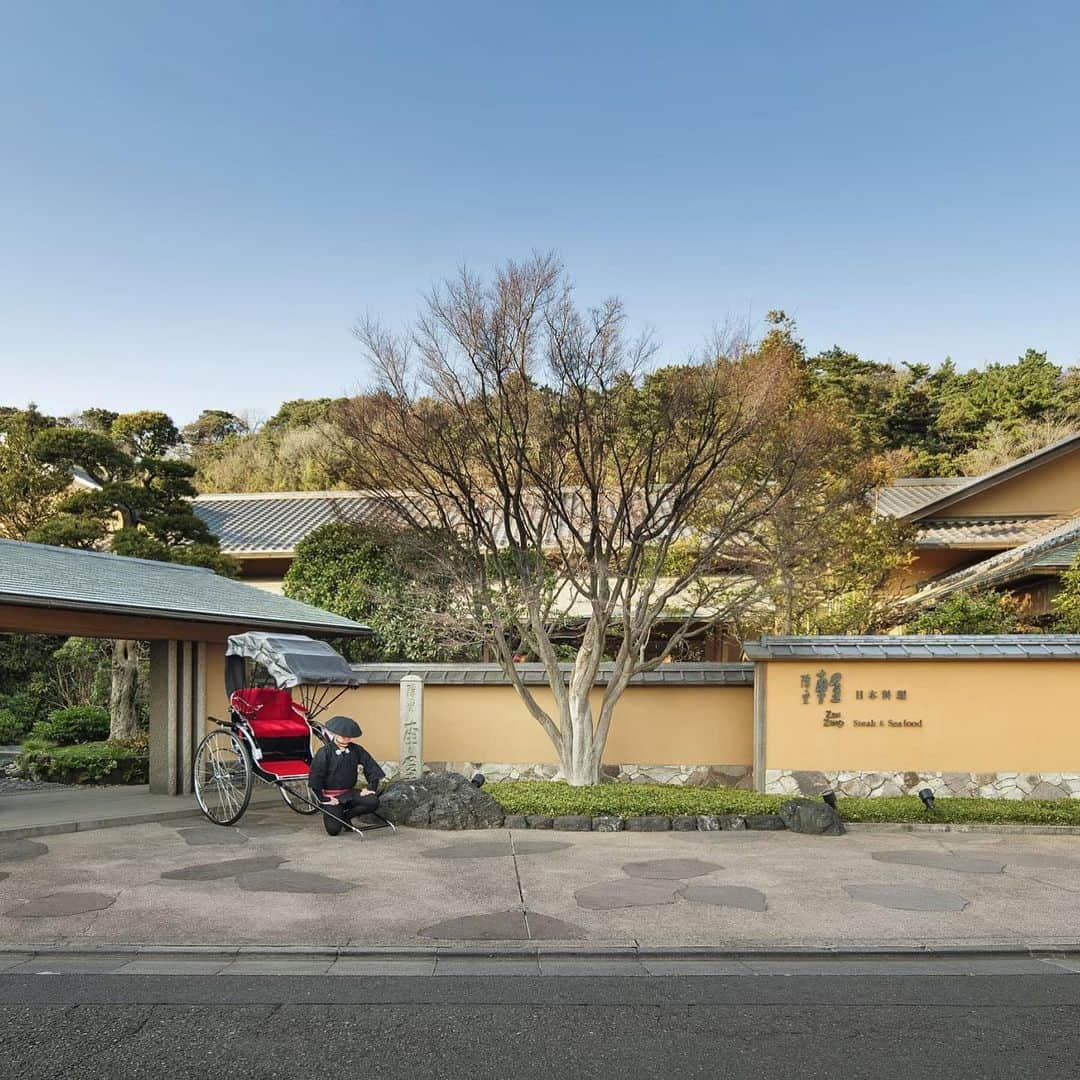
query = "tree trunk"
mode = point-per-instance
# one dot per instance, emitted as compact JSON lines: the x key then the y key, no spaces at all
{"x":580,"y":761}
{"x":125,"y":685}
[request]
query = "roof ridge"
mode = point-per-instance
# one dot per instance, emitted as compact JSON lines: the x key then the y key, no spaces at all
{"x":903,"y":481}
{"x":991,"y":519}
{"x":252,"y":496}
{"x":987,"y":479}
{"x":107,"y":555}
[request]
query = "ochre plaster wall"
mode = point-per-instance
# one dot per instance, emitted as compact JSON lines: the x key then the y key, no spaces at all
{"x":1046,"y":489}
{"x":974,"y":716}
{"x":707,"y":725}
{"x":930,"y":562}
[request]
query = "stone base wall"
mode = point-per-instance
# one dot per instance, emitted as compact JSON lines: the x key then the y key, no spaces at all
{"x":1002,"y":785}
{"x":729,"y":776}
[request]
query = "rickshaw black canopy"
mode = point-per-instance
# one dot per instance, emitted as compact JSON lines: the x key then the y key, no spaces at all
{"x":289,"y":659}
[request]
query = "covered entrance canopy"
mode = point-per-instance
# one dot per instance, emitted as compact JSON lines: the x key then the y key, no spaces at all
{"x":180,"y":610}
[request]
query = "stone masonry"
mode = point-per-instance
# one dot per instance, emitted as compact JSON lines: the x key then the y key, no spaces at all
{"x":1002,"y":785}
{"x":728,"y":776}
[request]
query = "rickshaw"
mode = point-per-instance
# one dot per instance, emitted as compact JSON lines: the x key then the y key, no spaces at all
{"x":278,"y":684}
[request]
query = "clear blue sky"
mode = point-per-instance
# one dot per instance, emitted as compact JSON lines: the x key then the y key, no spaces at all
{"x":198,"y":199}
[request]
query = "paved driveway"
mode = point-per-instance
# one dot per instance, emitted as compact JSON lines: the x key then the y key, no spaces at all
{"x":278,"y":879}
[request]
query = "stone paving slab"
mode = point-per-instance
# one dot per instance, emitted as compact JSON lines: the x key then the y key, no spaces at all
{"x":225,"y":869}
{"x":293,"y":881}
{"x":670,"y":869}
{"x":942,"y":860}
{"x":19,"y":849}
{"x":60,"y":905}
{"x":732,"y":896}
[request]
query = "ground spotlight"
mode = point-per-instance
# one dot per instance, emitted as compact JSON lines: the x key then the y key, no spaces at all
{"x":477,"y":780}
{"x":829,"y":798}
{"x":927,"y":797}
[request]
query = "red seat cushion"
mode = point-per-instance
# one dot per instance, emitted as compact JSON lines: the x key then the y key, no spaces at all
{"x":272,"y":713}
{"x":287,"y":770}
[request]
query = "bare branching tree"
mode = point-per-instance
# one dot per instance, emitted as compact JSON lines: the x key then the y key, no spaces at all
{"x":544,"y":466}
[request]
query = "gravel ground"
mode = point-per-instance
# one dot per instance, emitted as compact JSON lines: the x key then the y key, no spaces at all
{"x":10,"y":786}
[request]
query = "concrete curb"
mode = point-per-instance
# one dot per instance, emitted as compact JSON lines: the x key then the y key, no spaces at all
{"x":54,"y":828}
{"x":583,"y":951}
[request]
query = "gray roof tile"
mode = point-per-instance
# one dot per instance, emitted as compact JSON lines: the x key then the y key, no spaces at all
{"x":983,"y":532}
{"x":904,"y":496}
{"x":278,"y":521}
{"x":1052,"y":550}
{"x":66,"y":578}
{"x":688,"y":674}
{"x":912,"y":647}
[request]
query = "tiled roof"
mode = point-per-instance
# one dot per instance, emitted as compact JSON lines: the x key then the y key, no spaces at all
{"x":687,"y":674}
{"x":905,"y":496}
{"x":69,"y":579}
{"x":1052,"y":550}
{"x":983,"y":532}
{"x":918,"y":647}
{"x":275,"y":522}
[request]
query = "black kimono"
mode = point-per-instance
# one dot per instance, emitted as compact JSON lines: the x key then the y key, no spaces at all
{"x":334,"y":772}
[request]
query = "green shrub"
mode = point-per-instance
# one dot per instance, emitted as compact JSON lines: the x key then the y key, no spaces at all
{"x":12,"y":729}
{"x":88,"y":763}
{"x":28,"y":708}
{"x":974,"y":613}
{"x":79,"y":724}
{"x":627,"y":800}
{"x":631,"y":800}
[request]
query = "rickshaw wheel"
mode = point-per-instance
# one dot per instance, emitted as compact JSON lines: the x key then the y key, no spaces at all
{"x":294,"y":792}
{"x":223,"y":777}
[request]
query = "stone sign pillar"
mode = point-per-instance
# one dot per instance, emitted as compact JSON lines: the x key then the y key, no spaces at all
{"x":411,"y":719}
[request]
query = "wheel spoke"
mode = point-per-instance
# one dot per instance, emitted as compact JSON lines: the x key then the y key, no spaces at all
{"x":222,"y":777}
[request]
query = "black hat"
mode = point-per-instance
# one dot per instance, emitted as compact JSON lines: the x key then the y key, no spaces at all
{"x":342,"y":725}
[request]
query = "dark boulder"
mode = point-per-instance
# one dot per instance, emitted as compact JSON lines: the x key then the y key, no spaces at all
{"x":811,"y":816}
{"x":573,"y":822}
{"x":440,"y":801}
{"x":768,"y":822}
{"x":648,"y":823}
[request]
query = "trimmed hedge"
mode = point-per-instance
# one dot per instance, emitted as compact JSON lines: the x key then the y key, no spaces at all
{"x":105,"y":762}
{"x":78,"y":724}
{"x":631,"y":800}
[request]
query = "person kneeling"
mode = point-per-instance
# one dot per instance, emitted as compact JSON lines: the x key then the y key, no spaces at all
{"x":333,"y":774}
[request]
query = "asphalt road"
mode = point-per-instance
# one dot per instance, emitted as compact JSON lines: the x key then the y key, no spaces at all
{"x":809,"y":1026}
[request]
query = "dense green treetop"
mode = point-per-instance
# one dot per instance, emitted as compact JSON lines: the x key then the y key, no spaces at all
{"x":140,"y":506}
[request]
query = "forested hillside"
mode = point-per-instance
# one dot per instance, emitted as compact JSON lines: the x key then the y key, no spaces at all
{"x":929,"y":420}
